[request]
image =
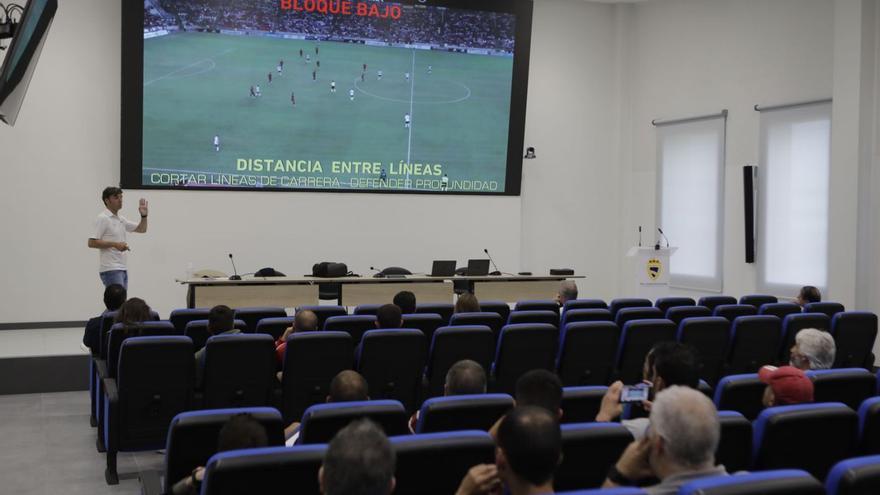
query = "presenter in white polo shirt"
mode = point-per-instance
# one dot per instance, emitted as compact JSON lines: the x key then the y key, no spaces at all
{"x":110,"y":236}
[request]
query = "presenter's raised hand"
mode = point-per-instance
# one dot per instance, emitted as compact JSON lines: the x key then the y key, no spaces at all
{"x":142,"y":207}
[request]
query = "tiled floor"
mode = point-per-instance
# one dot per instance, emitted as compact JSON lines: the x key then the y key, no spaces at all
{"x":47,"y":447}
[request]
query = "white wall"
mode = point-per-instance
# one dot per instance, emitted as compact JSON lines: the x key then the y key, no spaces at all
{"x":697,"y":57}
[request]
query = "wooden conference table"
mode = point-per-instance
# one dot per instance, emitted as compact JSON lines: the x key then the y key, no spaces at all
{"x":291,"y":292}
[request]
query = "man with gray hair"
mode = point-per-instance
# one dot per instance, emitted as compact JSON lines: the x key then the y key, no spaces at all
{"x":568,"y":291}
{"x":813,"y":350}
{"x":679,"y":447}
{"x":359,"y":461}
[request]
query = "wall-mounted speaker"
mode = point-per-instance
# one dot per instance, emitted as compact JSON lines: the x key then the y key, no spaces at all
{"x":749,"y":189}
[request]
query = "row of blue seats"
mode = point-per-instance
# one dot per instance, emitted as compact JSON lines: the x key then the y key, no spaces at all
{"x":436,"y":462}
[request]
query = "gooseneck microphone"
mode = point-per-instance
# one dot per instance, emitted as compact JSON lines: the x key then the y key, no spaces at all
{"x":664,"y":236}
{"x":378,"y":273}
{"x":640,"y":236}
{"x":497,"y":271}
{"x":236,"y":276}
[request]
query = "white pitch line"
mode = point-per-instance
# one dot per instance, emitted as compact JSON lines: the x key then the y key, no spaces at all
{"x":209,"y":59}
{"x":412,"y":86}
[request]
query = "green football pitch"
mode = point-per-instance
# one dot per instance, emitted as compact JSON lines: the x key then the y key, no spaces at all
{"x":197,"y":86}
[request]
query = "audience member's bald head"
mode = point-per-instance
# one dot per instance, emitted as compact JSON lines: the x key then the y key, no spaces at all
{"x":348,"y":386}
{"x":465,"y":377}
{"x":305,"y":321}
{"x":531,"y":444}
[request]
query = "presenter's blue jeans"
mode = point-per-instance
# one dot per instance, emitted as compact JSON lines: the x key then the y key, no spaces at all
{"x":115,"y":277}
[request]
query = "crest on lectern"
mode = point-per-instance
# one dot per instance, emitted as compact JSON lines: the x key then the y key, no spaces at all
{"x":654,"y":267}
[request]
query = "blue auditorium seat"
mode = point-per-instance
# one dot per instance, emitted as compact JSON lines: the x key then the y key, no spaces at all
{"x":629,"y":314}
{"x":489,"y":319}
{"x":192,"y":437}
{"x":500,"y":307}
{"x":664,"y":303}
{"x":576,"y":315}
{"x":732,"y":311}
{"x":869,"y":426}
{"x":754,"y":342}
{"x":250,"y":316}
{"x":435,"y":463}
{"x":812,"y":437}
{"x":777,"y":482}
{"x":826,"y":307}
{"x":758,"y":300}
{"x":392,"y":363}
{"x":741,"y":393}
{"x":239,"y":371}
{"x":274,"y":326}
{"x":678,"y":313}
{"x":537,"y":305}
{"x":637,"y":338}
{"x":533,"y":316}
{"x":180,"y":317}
{"x":588,"y":452}
{"x":462,"y":412}
{"x":710,"y":336}
{"x":584,"y":304}
{"x":366,"y":309}
{"x":323,"y":312}
{"x":735,"y":448}
{"x":623,"y":490}
{"x":854,"y":334}
{"x":321,"y":421}
{"x":428,"y":323}
{"x":582,"y":404}
{"x":311,"y":361}
{"x":522,"y":348}
{"x":856,"y":476}
{"x":627,"y":302}
{"x":453,"y":344}
{"x":197,"y":330}
{"x":445,"y":310}
{"x":848,"y":385}
{"x":712,"y":302}
{"x":354,"y":325}
{"x":267,"y":471}
{"x":779,"y":310}
{"x":586,"y":352}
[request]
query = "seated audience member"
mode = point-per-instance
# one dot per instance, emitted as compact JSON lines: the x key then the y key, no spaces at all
{"x":406,"y":301}
{"x":786,"y":385}
{"x":346,"y":386}
{"x":132,"y":312}
{"x":467,"y":303}
{"x":221,"y":321}
{"x":389,"y":316}
{"x":813,"y":350}
{"x":540,"y":388}
{"x":529,"y":450}
{"x":114,"y":296}
{"x":465,"y":377}
{"x":304,"y":321}
{"x":667,"y":364}
{"x":679,"y":447}
{"x":359,"y":460}
{"x":808,"y":294}
{"x":568,"y":291}
{"x":242,"y":431}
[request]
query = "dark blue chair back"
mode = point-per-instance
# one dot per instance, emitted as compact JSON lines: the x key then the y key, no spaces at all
{"x":679,"y":313}
{"x":180,"y":317}
{"x":462,"y":412}
{"x":856,"y":476}
{"x":586,"y":352}
{"x":392,"y":362}
{"x":828,"y":308}
{"x":239,"y":371}
{"x":584,"y":304}
{"x":637,"y":338}
{"x":354,"y":325}
{"x":118,"y":334}
{"x":627,"y":302}
{"x":522,"y":348}
{"x":735,"y":448}
{"x":758,"y":300}
{"x":742,"y":393}
{"x":270,"y":470}
{"x":848,"y":385}
{"x":321,"y":421}
{"x":854,"y":334}
{"x":435,"y":463}
{"x":489,"y":319}
{"x":588,"y":452}
{"x":311,"y":361}
{"x":537,"y":305}
{"x":812,"y":437}
{"x":664,"y":303}
{"x":779,"y":310}
{"x":428,"y":323}
{"x":192,"y":437}
{"x":733,"y":311}
{"x":777,"y":482}
{"x":251,"y":315}
{"x":453,"y":344}
{"x":533,"y":316}
{"x":500,"y":307}
{"x":754,"y":342}
{"x":712,"y":302}
{"x":367,"y":309}
{"x":582,"y":404}
{"x":629,"y":314}
{"x":445,"y":310}
{"x":710,"y":336}
{"x":869,"y":426}
{"x":576,"y":315}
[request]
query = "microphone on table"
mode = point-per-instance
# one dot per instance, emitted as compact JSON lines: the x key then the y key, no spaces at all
{"x":640,"y":236}
{"x":664,"y":236}
{"x":378,"y":273}
{"x":236,"y":276}
{"x":496,"y":272}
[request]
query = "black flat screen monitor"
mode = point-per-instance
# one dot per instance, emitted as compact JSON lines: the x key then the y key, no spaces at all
{"x":477,"y":268}
{"x":408,"y":96}
{"x":22,"y":56}
{"x":443,"y":268}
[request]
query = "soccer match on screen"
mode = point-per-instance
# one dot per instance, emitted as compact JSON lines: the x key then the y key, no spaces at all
{"x":325,"y":94}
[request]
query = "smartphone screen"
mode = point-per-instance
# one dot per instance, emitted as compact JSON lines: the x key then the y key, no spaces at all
{"x":634,"y":393}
